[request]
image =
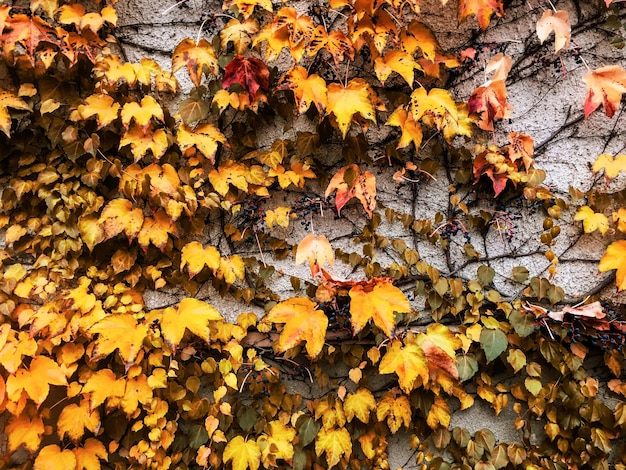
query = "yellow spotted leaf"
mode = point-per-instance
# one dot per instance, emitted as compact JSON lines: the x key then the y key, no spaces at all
{"x":592,"y":221}
{"x":121,"y":332}
{"x":335,"y":443}
{"x":240,"y":34}
{"x":346,"y":102}
{"x":302,"y":323}
{"x":155,"y":230}
{"x":198,"y":58}
{"x":74,"y":419}
{"x":119,"y":216}
{"x":52,"y":457}
{"x":278,"y":216}
{"x":411,"y":130}
{"x":317,"y":250}
{"x":244,"y":454}
{"x":408,"y":362}
{"x":307,"y":89}
{"x":195,"y":257}
{"x":192,"y":314}
{"x":615,"y":258}
{"x":379,"y":304}
{"x":359,"y":404}
{"x":205,"y":138}
{"x":399,"y":62}
{"x":137,"y":391}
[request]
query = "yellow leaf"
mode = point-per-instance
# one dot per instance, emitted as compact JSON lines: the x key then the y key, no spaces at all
{"x":74,"y":419}
{"x":191,"y":314}
{"x":231,"y":269}
{"x":408,"y":362}
{"x":396,"y":408}
{"x":240,"y":34}
{"x":195,"y":57}
{"x":336,"y":443}
{"x":88,"y":457}
{"x":244,"y":454}
{"x":439,"y":414}
{"x":36,"y":382}
{"x":317,"y":250}
{"x":196,"y":257}
{"x":307,"y":89}
{"x":137,"y":391}
{"x":9,"y":100}
{"x":279,"y":215}
{"x":620,"y":218}
{"x":302,"y":323}
{"x":359,"y":404}
{"x":611,"y":166}
{"x":142,"y":113}
{"x":25,"y":431}
{"x":91,"y":230}
{"x":102,"y":106}
{"x":246,"y":7}
{"x":142,"y":141}
{"x":119,"y":216}
{"x":345,"y":102}
{"x":615,"y":258}
{"x":378,"y":304}
{"x":441,"y":336}
{"x":592,"y":221}
{"x":119,"y":331}
{"x":102,"y":385}
{"x":53,"y":458}
{"x":396,"y":61}
{"x":411,"y":130}
{"x":205,"y":138}
{"x":419,"y":36}
{"x":277,"y":443}
{"x":156,"y":230}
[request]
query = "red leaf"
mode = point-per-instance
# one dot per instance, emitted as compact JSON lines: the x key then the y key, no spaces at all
{"x":251,"y":73}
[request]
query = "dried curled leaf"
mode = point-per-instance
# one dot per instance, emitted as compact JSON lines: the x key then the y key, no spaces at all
{"x":605,"y":86}
{"x":317,"y":250}
{"x":557,"y":22}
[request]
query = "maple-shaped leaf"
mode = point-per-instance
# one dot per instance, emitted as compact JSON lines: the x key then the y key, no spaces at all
{"x":396,"y":408}
{"x":89,"y":455}
{"x":31,"y":32}
{"x":243,"y":453}
{"x":24,"y":430}
{"x":359,"y":404}
{"x":101,"y":385}
{"x":276,"y":443}
{"x":52,"y":457}
{"x":419,"y":36}
{"x":195,"y":56}
{"x":500,"y":65}
{"x":521,"y":146}
{"x":483,"y":9}
{"x":121,"y":332}
{"x":396,"y":61}
{"x":102,"y":106}
{"x":231,"y":269}
{"x":605,"y":86}
{"x":379,"y":304}
{"x":307,"y":89}
{"x":303,"y":322}
{"x":156,"y":230}
{"x":76,"y":15}
{"x":246,"y":7}
{"x":288,"y":30}
{"x":204,"y":137}
{"x":119,"y":216}
{"x":35,"y":381}
{"x":74,"y":419}
{"x":436,"y":103}
{"x":557,"y":22}
{"x":611,"y":166}
{"x":9,"y":100}
{"x":335,"y":443}
{"x":439,"y":414}
{"x":192,"y":314}
{"x":592,"y":221}
{"x":240,"y":34}
{"x":615,"y":258}
{"x":196,"y":257}
{"x":346,"y":102}
{"x":411,"y":130}
{"x":137,"y":390}
{"x":317,"y":250}
{"x":278,"y":216}
{"x":336,"y":43}
{"x":142,"y":113}
{"x":349,"y":182}
{"x":490,"y":102}
{"x":227,"y":173}
{"x":439,"y":345}
{"x":407,"y":361}
{"x":251,"y":73}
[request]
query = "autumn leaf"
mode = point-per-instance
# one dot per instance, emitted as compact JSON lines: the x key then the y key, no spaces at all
{"x":307,"y":89}
{"x":334,"y":43}
{"x":278,"y":216}
{"x":303,"y":322}
{"x":119,"y":216}
{"x":243,"y":453}
{"x":615,"y":258}
{"x":121,"y":332}
{"x":240,"y":34}
{"x":379,"y":304}
{"x":521,"y":146}
{"x":137,"y":390}
{"x":483,"y":9}
{"x":142,"y":113}
{"x":408,"y":362}
{"x":396,"y":61}
{"x":346,"y":102}
{"x":419,"y":36}
{"x":75,"y":419}
{"x":411,"y":130}
{"x":557,"y":22}
{"x":359,"y":404}
{"x":317,"y":250}
{"x":439,"y":414}
{"x":35,"y":381}
{"x":349,"y":182}
{"x":604,"y":86}
{"x":592,"y":221}
{"x":335,"y":443}
{"x":246,"y":7}
{"x":251,"y":73}
{"x":191,"y":314}
{"x":198,"y":58}
{"x":231,"y":269}
{"x":9,"y":100}
{"x":101,"y":385}
{"x":88,"y":456}
{"x":204,"y":137}
{"x":396,"y":408}
{"x":195,"y":257}
{"x":611,"y":166}
{"x":28,"y":31}
{"x":102,"y":106}
{"x":26,"y":431}
{"x":52,"y":457}
{"x":143,"y":141}
{"x":155,"y":230}
{"x":276,"y":443}
{"x":490,"y":100}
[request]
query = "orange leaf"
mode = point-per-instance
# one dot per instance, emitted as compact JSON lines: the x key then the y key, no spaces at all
{"x":143,"y":141}
{"x":490,"y":101}
{"x":302,"y":323}
{"x":615,"y":258}
{"x":378,"y":304}
{"x":396,"y":61}
{"x":192,"y":314}
{"x":396,"y":408}
{"x":9,"y":100}
{"x":74,"y":419}
{"x":137,"y":391}
{"x":119,"y":216}
{"x":36,"y":382}
{"x":557,"y":22}
{"x":25,"y":431}
{"x":307,"y":89}
{"x":121,"y":332}
{"x":156,"y":230}
{"x":53,"y":458}
{"x":605,"y":86}
{"x":349,"y":182}
{"x":409,"y":363}
{"x":335,"y":43}
{"x":101,"y":385}
{"x":246,"y":7}
{"x":196,"y":257}
{"x":195,"y":57}
{"x":521,"y":146}
{"x":102,"y":106}
{"x":483,"y":9}
{"x":345,"y":102}
{"x":317,"y":250}
{"x":87,"y":457}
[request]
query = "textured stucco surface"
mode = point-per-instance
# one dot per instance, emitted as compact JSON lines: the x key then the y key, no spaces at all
{"x":547,"y":104}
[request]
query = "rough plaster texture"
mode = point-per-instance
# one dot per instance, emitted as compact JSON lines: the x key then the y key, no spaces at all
{"x":547,"y":104}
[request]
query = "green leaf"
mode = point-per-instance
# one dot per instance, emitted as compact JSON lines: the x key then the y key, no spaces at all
{"x":307,"y":431}
{"x":197,"y":436}
{"x":523,"y":324}
{"x":520,"y":273}
{"x":486,"y":274}
{"x":247,"y":416}
{"x":467,"y":366}
{"x":493,"y":342}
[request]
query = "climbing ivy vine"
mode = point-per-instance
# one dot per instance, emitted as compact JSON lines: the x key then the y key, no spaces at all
{"x":116,"y":185}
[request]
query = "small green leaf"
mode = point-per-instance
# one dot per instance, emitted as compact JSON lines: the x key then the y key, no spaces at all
{"x":486,"y":274}
{"x":520,"y":273}
{"x":467,"y":367}
{"x":523,"y":324}
{"x":307,"y":431}
{"x":493,"y":342}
